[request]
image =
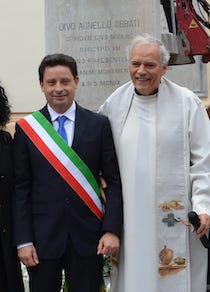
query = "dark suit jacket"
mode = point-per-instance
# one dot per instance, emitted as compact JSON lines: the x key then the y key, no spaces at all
{"x":46,"y":209}
{"x":8,"y":251}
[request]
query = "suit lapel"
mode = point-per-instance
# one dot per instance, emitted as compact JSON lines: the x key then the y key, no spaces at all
{"x":45,"y":112}
{"x":80,"y":126}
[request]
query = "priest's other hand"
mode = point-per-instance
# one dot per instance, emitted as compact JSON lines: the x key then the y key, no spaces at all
{"x":204,"y":224}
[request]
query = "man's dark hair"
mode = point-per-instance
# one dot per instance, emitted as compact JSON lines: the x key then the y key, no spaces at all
{"x":4,"y":108}
{"x":56,"y":60}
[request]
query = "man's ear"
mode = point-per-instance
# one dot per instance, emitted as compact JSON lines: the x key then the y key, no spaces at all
{"x":76,"y":80}
{"x":41,"y":85}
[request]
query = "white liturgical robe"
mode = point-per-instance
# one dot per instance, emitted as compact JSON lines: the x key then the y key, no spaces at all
{"x":163,"y":146}
{"x":139,"y":137}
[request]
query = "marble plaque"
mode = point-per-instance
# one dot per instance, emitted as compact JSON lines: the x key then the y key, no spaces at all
{"x":96,"y":33}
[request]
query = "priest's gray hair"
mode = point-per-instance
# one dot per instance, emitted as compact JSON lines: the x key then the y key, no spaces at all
{"x":148,"y":39}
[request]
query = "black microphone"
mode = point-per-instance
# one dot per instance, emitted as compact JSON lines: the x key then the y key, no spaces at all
{"x":195,"y":221}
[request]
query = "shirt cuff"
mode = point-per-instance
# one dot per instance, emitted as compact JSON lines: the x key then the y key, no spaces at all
{"x":24,"y":245}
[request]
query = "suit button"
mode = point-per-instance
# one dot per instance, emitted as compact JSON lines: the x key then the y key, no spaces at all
{"x":67,"y":201}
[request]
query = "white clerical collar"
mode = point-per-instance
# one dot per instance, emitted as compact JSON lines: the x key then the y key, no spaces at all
{"x":70,"y":113}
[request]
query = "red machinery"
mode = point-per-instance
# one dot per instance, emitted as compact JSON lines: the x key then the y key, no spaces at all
{"x":192,"y":28}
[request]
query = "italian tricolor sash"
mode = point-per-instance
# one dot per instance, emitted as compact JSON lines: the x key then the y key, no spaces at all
{"x":64,"y":159}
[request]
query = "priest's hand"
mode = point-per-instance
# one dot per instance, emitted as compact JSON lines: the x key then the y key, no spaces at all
{"x":103,"y":186}
{"x":28,"y":255}
{"x":108,"y":244}
{"x":204,"y":224}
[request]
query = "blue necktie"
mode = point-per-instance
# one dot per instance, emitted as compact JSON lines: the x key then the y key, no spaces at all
{"x":61,"y":129}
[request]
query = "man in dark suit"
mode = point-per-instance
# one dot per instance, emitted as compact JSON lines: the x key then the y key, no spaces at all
{"x":60,"y":220}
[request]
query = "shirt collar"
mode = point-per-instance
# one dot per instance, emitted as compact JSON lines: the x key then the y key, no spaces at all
{"x":70,"y":113}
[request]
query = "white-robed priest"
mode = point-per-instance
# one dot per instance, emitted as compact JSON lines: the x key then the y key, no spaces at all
{"x":162,"y":137}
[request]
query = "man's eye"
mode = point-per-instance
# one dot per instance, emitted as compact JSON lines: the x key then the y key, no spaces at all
{"x":150,"y":65}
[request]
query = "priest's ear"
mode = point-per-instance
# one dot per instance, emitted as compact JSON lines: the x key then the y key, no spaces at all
{"x":164,"y":69}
